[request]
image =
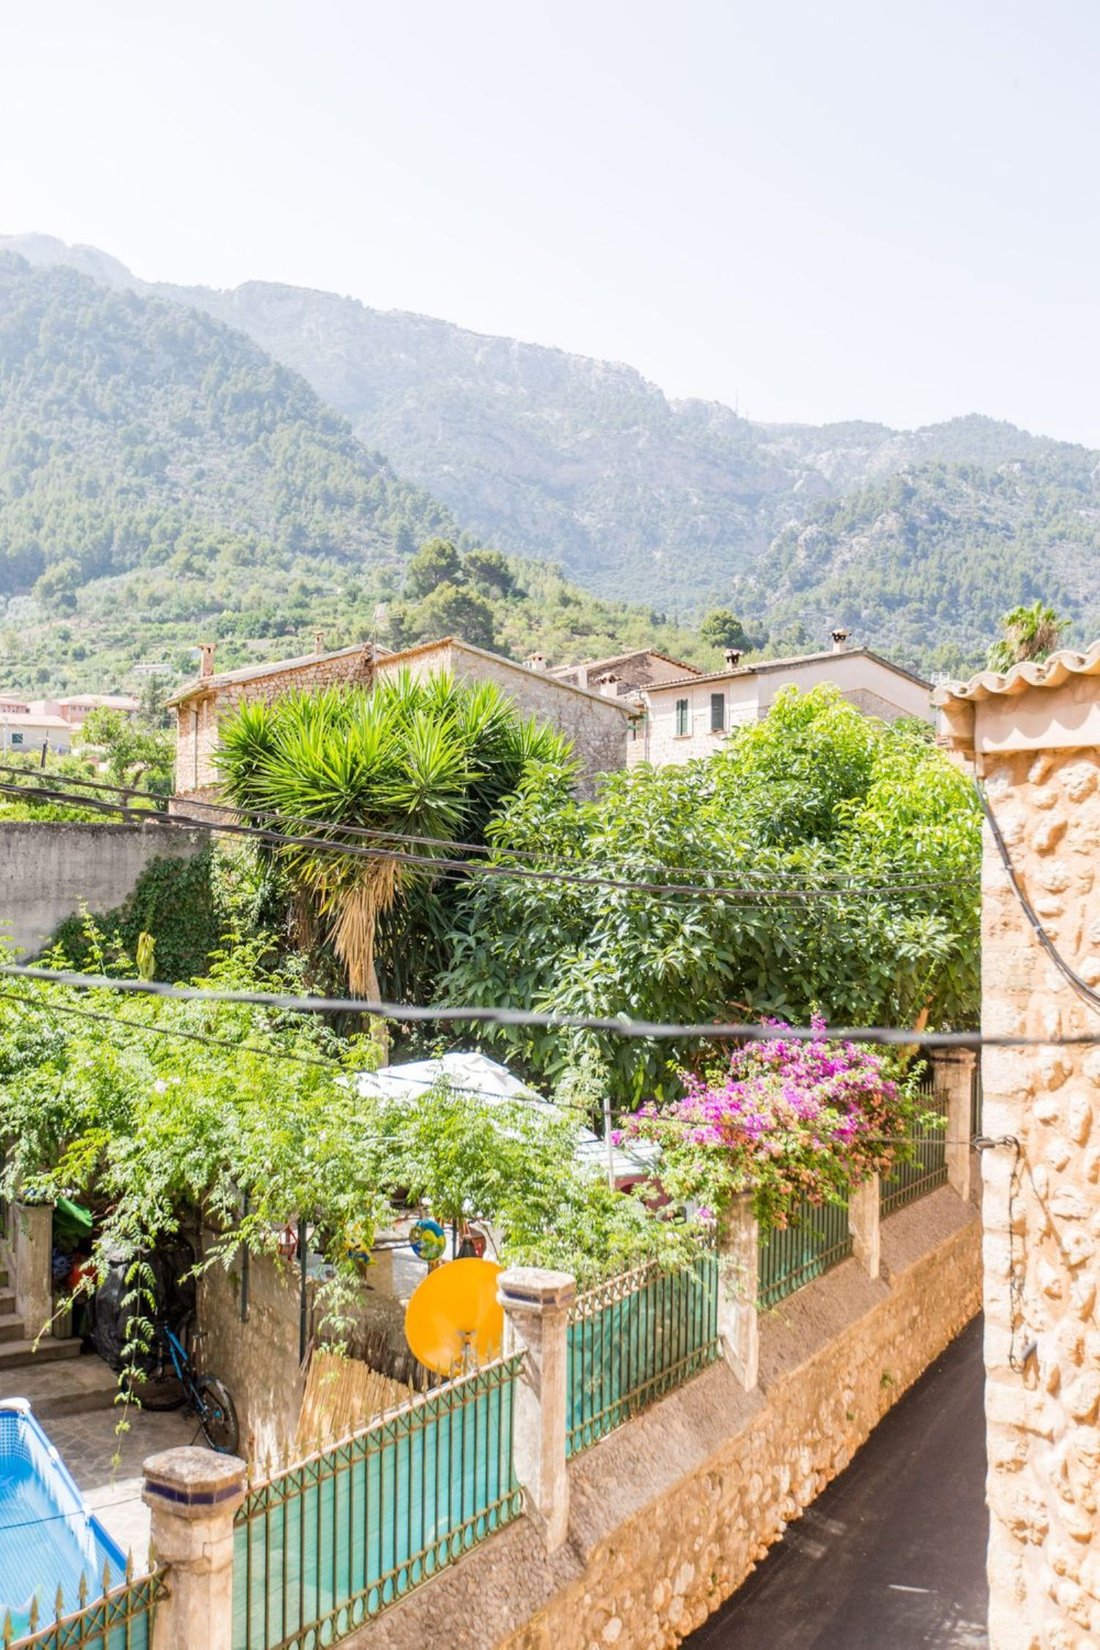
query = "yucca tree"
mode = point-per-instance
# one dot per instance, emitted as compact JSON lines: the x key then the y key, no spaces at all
{"x":429,"y":759}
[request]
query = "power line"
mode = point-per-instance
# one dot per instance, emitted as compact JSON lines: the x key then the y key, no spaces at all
{"x":435,"y":863}
{"x":374,"y":834}
{"x":620,"y":1026}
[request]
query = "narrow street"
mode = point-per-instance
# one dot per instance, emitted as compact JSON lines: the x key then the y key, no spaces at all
{"x":893,"y":1553}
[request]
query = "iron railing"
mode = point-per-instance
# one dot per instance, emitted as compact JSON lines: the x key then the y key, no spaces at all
{"x":633,"y":1339}
{"x":976,"y":1100}
{"x":323,"y":1547}
{"x":816,"y":1239}
{"x":122,"y":1619}
{"x":927,"y":1167}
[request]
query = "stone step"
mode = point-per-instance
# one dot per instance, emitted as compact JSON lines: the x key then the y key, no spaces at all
{"x":21,"y":1353}
{"x":11,"y":1328}
{"x":7,"y":1300}
{"x":75,"y":1386}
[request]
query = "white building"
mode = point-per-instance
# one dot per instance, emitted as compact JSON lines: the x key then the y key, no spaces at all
{"x":688,"y":717}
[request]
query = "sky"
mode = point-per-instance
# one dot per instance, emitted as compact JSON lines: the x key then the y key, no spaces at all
{"x":812,"y":211}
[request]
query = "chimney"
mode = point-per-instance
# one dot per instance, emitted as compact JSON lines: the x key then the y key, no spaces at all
{"x":206,"y":656}
{"x":733,"y":657}
{"x":537,"y":661}
{"x":608,"y":685}
{"x":318,"y":641}
{"x":840,"y":640}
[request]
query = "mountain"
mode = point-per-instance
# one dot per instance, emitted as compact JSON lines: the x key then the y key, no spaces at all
{"x":163,"y":480}
{"x":916,"y":540}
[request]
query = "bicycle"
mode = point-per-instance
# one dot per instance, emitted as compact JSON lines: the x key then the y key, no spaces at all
{"x":208,"y":1397}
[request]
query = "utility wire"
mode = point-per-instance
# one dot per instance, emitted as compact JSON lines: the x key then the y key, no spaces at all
{"x":431,"y":862}
{"x":368,"y":832}
{"x":620,"y":1026}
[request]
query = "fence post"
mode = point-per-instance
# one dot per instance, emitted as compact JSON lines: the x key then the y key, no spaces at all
{"x":536,"y":1312}
{"x":865,"y":1224}
{"x":30,"y":1251}
{"x":193,"y":1495}
{"x":738,"y":1285}
{"x":954,"y":1069}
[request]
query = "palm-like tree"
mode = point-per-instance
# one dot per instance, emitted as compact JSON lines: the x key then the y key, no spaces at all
{"x":430,"y":759}
{"x":1029,"y":633}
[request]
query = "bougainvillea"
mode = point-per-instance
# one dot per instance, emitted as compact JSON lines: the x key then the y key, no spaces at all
{"x":785,"y":1120}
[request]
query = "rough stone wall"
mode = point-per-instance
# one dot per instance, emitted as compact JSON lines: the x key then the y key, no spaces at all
{"x":48,"y":870}
{"x":671,"y":1512}
{"x":1042,"y":1215}
{"x":598,"y":727}
{"x":257,"y":1359}
{"x":197,"y":718}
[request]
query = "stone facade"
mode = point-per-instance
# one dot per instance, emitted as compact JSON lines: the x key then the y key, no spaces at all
{"x":201,"y":706}
{"x":257,"y":1355}
{"x":669,"y":1514}
{"x":747,"y":693}
{"x":599,"y":725}
{"x":1033,"y":739}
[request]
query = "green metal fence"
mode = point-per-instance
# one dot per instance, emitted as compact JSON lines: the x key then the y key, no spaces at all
{"x":634,"y":1338}
{"x":121,"y":1620}
{"x":325,"y":1546}
{"x":816,"y":1239}
{"x":927,"y":1169}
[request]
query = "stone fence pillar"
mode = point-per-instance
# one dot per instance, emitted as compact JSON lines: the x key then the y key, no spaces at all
{"x":954,"y":1069}
{"x":193,"y":1494}
{"x":865,"y":1224}
{"x":536,"y":1316}
{"x":30,"y":1255}
{"x":738,"y":1282}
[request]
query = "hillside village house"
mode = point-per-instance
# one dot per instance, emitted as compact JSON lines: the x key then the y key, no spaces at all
{"x":688,"y":716}
{"x":620,"y":674}
{"x":598,"y":725}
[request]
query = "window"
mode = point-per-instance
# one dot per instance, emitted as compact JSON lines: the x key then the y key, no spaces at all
{"x":17,"y":738}
{"x":717,"y":713}
{"x":681,"y":718}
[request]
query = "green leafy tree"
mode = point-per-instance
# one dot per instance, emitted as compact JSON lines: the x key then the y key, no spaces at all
{"x":136,"y":755}
{"x":816,"y":798}
{"x":720,"y":628}
{"x":452,"y":611}
{"x":432,"y":759}
{"x":1028,"y":633}
{"x":490,"y":572}
{"x":436,"y":562}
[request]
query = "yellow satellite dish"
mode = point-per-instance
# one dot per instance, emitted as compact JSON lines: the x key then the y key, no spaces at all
{"x":453,"y":1321}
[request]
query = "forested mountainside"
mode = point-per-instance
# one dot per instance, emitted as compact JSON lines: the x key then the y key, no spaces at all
{"x":917,"y":541}
{"x":163,"y":481}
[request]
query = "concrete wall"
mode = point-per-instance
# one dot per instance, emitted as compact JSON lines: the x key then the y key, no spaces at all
{"x":48,"y":870}
{"x":256,"y":1357}
{"x":671,"y":1512}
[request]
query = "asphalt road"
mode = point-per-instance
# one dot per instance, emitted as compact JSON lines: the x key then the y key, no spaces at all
{"x":892,"y":1555}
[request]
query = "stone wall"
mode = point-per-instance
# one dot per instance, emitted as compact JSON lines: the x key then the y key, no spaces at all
{"x":198,"y":716}
{"x":1042,"y":1213}
{"x":258,"y":1357}
{"x":598,"y":725}
{"x":670,"y":1513}
{"x":48,"y":870}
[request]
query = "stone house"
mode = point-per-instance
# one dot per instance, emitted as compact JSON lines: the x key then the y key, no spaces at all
{"x":1032,"y":738}
{"x":686,"y":717}
{"x":621,"y":673}
{"x":599,"y":725}
{"x":201,"y":704}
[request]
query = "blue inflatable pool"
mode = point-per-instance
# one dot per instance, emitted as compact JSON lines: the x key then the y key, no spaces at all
{"x":48,"y":1538}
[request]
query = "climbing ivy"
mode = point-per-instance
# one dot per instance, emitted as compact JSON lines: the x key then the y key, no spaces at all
{"x":172,"y":900}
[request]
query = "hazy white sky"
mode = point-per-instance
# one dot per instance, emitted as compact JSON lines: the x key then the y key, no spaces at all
{"x":872,"y":208}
